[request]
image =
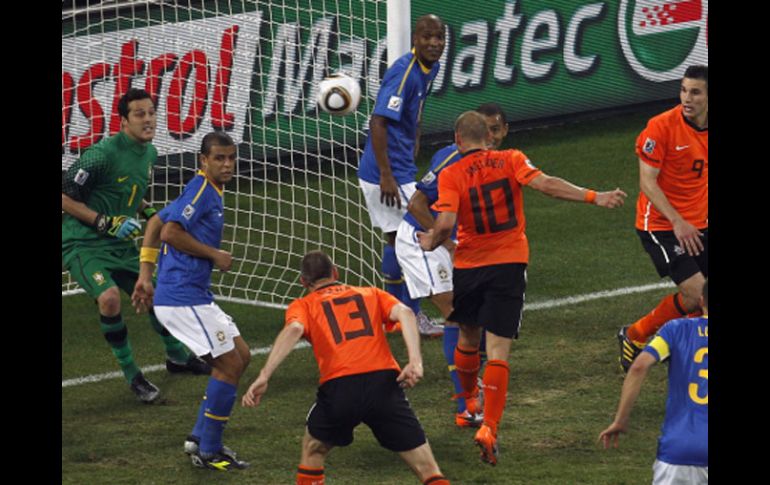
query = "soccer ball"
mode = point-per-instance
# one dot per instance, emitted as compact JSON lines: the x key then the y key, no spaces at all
{"x":339,"y":94}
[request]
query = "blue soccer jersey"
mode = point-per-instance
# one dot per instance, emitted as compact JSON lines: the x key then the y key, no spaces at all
{"x":428,"y":185}
{"x":183,"y":280}
{"x":402,"y":94}
{"x":684,"y":436}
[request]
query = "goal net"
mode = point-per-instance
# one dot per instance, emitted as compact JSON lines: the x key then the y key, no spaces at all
{"x":251,"y":69}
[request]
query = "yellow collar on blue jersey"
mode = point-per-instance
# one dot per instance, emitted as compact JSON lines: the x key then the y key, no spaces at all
{"x":425,"y":70}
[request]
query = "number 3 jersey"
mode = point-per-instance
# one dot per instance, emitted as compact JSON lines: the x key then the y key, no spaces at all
{"x":684,"y":435}
{"x":681,"y":152}
{"x":484,"y":189}
{"x":345,"y":326}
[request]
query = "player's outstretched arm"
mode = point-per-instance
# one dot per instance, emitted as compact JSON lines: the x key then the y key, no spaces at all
{"x":562,"y":189}
{"x":412,"y":371}
{"x":282,"y":347}
{"x":632,"y":386}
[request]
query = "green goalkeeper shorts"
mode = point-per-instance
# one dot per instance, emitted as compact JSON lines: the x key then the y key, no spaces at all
{"x":96,"y":270}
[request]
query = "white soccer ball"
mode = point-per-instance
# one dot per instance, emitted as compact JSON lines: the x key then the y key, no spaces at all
{"x":339,"y":94}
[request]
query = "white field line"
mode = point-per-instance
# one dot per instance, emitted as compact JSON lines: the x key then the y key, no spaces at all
{"x":543,"y":305}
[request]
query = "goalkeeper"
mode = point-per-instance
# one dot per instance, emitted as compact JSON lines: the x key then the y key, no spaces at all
{"x":101,"y":195}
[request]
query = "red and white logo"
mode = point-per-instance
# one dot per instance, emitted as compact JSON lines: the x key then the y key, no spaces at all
{"x":198,"y":72}
{"x":659,"y":17}
{"x":652,"y":17}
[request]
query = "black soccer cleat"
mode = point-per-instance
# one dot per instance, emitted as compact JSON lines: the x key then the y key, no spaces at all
{"x":145,"y":390}
{"x":225,"y":460}
{"x":629,"y":349}
{"x":194,"y":365}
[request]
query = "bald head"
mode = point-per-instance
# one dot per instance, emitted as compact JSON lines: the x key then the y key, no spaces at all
{"x":428,"y":21}
{"x":471,"y":131}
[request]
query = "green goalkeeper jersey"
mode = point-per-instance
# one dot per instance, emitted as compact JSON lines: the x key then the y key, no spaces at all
{"x":111,"y":178}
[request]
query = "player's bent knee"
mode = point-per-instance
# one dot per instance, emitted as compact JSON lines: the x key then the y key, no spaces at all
{"x":109,"y":302}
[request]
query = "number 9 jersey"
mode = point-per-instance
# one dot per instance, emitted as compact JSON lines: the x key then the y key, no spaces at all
{"x":484,"y":189}
{"x":681,"y":152}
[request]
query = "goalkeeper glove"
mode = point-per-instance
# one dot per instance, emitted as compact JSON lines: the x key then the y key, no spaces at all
{"x":148,"y":212}
{"x":120,"y":227}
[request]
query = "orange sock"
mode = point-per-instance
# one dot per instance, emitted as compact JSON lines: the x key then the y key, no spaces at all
{"x":467,"y":364}
{"x":310,"y":476}
{"x":495,"y":390}
{"x":436,"y":480}
{"x":669,"y":308}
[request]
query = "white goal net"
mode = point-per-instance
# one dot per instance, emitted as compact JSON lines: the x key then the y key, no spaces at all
{"x":251,"y":69}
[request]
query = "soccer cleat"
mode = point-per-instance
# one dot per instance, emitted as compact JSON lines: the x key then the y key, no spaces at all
{"x":628,"y":349}
{"x":145,"y":390}
{"x":427,"y":328}
{"x":194,"y":365}
{"x":225,"y":460}
{"x":468,"y":420}
{"x":487,"y":442}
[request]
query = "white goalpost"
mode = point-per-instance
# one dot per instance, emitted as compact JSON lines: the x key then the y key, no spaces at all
{"x":251,"y":69}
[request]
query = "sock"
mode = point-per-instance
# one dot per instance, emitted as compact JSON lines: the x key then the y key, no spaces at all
{"x":467,"y":364}
{"x":197,"y":430}
{"x":451,"y":334}
{"x":220,"y":397}
{"x":407,"y":300}
{"x":310,"y":476}
{"x":174,"y":348}
{"x":669,"y":308}
{"x":394,"y":280}
{"x":116,"y":334}
{"x":436,"y":480}
{"x":495,"y":391}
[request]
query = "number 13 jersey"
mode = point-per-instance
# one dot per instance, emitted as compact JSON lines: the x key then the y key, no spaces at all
{"x":345,"y":326}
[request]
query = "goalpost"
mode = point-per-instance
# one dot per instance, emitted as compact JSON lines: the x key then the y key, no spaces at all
{"x":251,"y":69}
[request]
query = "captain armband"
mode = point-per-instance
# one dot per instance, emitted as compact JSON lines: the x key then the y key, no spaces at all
{"x":149,"y":255}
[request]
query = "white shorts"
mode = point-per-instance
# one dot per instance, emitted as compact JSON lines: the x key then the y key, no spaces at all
{"x":204,"y":329}
{"x":667,"y":474}
{"x":425,"y":273}
{"x":382,"y":216}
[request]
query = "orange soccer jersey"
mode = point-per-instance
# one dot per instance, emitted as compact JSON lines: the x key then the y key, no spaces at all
{"x":681,"y":152}
{"x":345,"y":326}
{"x":484,"y":189}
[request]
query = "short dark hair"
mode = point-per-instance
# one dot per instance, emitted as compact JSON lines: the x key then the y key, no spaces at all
{"x":492,"y":109}
{"x":706,"y":293}
{"x":132,"y":94}
{"x":698,"y":71}
{"x":316,"y":265}
{"x":219,"y":138}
